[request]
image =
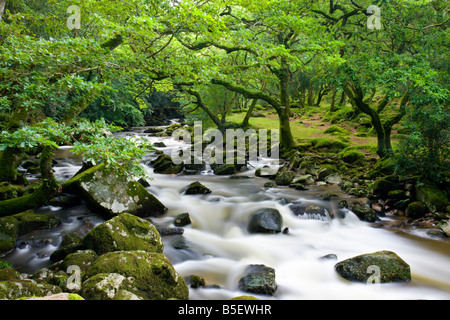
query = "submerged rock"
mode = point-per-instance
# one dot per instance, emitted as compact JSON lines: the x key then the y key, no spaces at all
{"x":309,"y":211}
{"x":266,"y":220}
{"x":111,"y":195}
{"x":258,"y":279}
{"x":125,"y":275}
{"x":124,"y":232}
{"x":392,"y":268}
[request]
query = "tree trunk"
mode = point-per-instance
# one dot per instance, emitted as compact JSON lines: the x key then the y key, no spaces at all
{"x":333,"y":101}
{"x":287,"y":141}
{"x":356,"y":96}
{"x":9,"y":161}
{"x":244,"y":123}
{"x":2,"y":8}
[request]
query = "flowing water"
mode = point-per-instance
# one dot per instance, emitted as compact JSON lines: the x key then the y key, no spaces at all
{"x":218,"y":247}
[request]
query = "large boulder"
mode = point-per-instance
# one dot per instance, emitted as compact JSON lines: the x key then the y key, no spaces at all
{"x":258,"y":279}
{"x":133,"y":275}
{"x":360,"y":268}
{"x":124,"y":232}
{"x":432,"y":196}
{"x":416,"y":210}
{"x":11,"y":290}
{"x":382,"y":186}
{"x":266,"y":220}
{"x":111,"y":195}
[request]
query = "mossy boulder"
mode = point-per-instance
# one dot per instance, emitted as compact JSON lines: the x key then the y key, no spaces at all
{"x":9,"y":229}
{"x":196,"y":188}
{"x":349,"y":155}
{"x":165,"y":165}
{"x":383,"y":185}
{"x":124,"y":232}
{"x":29,"y":221}
{"x":11,"y":290}
{"x":81,"y":258}
{"x":225,"y":169}
{"x":284,"y":178}
{"x":112,"y":195}
{"x":416,"y":210}
{"x":432,"y":196}
{"x":392,"y":267}
{"x":336,"y":130}
{"x":146,"y":275}
{"x":364,"y":212}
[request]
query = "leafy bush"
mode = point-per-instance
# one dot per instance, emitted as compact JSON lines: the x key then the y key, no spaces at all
{"x":426,"y":150}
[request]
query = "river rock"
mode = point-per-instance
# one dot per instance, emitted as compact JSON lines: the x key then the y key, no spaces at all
{"x":445,"y":227}
{"x":364,"y":212}
{"x":416,"y":210}
{"x":124,"y":232}
{"x":284,"y":178}
{"x":81,"y":258}
{"x":225,"y":170}
{"x":258,"y":279}
{"x":432,"y":196}
{"x":133,"y":275}
{"x":382,"y":186}
{"x":10,"y":290}
{"x":196,"y":188}
{"x":266,"y":220}
{"x":111,"y":195}
{"x":392,"y":267}
{"x":309,"y":211}
{"x":181,"y":220}
{"x":165,"y":165}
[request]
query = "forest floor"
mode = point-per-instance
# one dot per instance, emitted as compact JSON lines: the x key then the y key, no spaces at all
{"x":312,"y":124}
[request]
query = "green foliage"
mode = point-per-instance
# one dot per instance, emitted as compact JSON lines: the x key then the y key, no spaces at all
{"x":5,"y":264}
{"x":426,"y":151}
{"x":123,"y":156}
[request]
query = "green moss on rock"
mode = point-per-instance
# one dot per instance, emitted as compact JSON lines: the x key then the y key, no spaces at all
{"x":112,"y":195}
{"x":432,"y":196}
{"x":147,"y":275}
{"x":11,"y":290}
{"x":392,"y":267}
{"x":124,"y":232}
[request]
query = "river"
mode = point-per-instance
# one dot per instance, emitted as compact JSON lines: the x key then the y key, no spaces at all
{"x":217,"y":246}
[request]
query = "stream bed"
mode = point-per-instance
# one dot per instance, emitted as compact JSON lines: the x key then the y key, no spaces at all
{"x":218,"y":247}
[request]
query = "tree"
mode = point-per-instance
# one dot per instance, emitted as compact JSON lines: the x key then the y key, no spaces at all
{"x":395,"y":62}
